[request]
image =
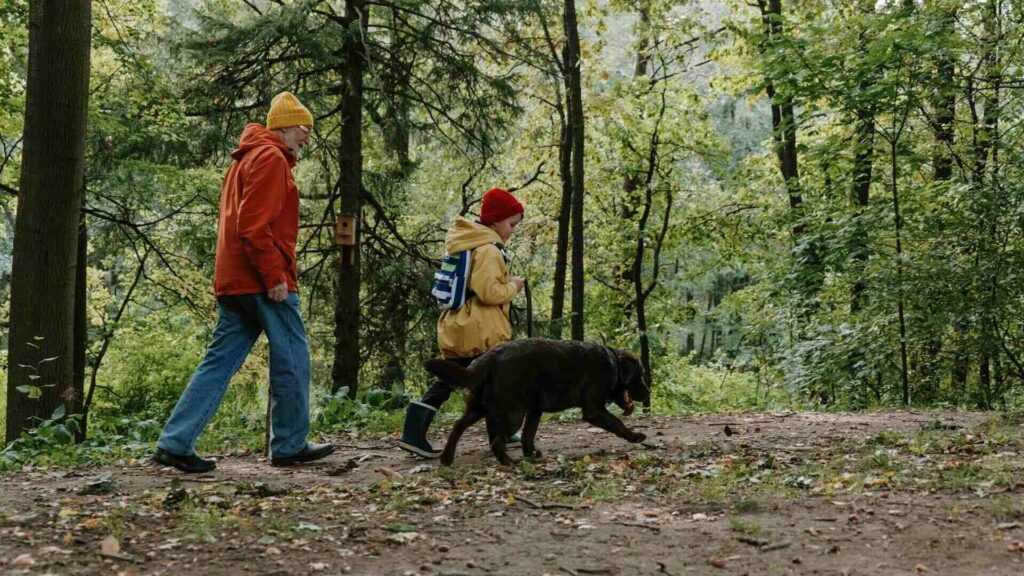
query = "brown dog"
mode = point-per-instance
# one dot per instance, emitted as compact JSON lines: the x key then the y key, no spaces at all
{"x":526,"y":378}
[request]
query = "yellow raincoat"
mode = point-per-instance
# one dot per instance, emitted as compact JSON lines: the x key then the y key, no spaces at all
{"x":482,"y":322}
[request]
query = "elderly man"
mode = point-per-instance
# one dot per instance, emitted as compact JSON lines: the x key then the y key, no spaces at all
{"x":255,"y":284}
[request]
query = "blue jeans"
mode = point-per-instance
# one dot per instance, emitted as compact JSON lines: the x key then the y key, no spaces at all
{"x":241,"y":320}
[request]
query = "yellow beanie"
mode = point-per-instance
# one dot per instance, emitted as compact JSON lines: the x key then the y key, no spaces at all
{"x":286,"y":110}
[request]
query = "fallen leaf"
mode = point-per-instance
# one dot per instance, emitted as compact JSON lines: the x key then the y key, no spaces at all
{"x":110,"y":546}
{"x":97,"y":486}
{"x":403,"y":537}
{"x":23,"y":561}
{"x":91,"y":523}
{"x":920,"y":568}
{"x":319,"y":566}
{"x":389,"y":473}
{"x":716,"y":562}
{"x":308,"y":526}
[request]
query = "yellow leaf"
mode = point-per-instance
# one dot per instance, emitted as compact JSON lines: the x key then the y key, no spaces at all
{"x":67,"y":513}
{"x":91,"y":523}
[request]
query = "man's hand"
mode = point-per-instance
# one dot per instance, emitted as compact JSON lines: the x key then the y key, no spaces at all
{"x":278,"y":293}
{"x":519,"y":282}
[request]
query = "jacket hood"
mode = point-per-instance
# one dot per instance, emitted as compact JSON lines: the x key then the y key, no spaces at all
{"x":257,"y":135}
{"x":466,"y":235}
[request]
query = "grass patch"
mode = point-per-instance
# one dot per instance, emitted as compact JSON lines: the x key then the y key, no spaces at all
{"x":745,"y":527}
{"x":1006,"y":509}
{"x":206,"y":523}
{"x":748,"y":506}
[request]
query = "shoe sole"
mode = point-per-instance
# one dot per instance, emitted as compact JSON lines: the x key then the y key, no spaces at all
{"x":180,"y":469}
{"x":282,"y":463}
{"x":419,"y":451}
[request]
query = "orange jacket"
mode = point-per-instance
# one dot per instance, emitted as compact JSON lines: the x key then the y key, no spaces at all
{"x":259,"y":217}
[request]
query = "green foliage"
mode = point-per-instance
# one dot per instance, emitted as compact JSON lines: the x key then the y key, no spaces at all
{"x":748,"y":301}
{"x":52,"y":442}
{"x":681,"y":386}
{"x":337,"y":412}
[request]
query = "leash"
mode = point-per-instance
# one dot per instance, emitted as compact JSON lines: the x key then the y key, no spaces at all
{"x":529,"y":308}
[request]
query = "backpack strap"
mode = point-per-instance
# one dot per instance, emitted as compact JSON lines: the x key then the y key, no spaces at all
{"x":504,"y":255}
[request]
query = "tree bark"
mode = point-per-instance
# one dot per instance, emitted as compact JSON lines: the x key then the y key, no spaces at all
{"x":75,"y":404}
{"x":41,"y":349}
{"x":574,"y":96}
{"x":984,"y":184}
{"x":943,"y":103}
{"x":564,"y":218}
{"x":396,"y":127}
{"x":350,"y":154}
{"x":860,"y":195}
{"x":784,"y":135}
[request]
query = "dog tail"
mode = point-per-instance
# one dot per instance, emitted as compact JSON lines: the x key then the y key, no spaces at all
{"x":455,"y":374}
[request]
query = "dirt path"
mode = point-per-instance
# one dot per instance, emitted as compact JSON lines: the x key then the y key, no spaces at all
{"x":871,"y":493}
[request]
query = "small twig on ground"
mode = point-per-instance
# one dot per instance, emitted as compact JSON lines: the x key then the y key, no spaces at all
{"x":546,"y":505}
{"x":120,"y":556}
{"x":663,"y":569}
{"x":752,"y":541}
{"x":776,"y":546}
{"x":490,"y":537}
{"x":569,"y":571}
{"x":189,"y":479}
{"x":639,"y":525}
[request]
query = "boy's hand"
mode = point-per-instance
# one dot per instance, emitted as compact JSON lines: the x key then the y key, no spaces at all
{"x":278,"y":293}
{"x":519,"y":282}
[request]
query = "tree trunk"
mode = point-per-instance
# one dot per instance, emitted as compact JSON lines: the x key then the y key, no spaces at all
{"x":564,"y":215}
{"x":75,"y":404}
{"x":396,"y":127}
{"x":984,"y":183}
{"x":689,"y":345}
{"x":350,"y":153}
{"x":901,"y":317}
{"x":784,"y":136}
{"x":41,"y":353}
{"x":574,"y":96}
{"x":860,"y":195}
{"x":943,"y":102}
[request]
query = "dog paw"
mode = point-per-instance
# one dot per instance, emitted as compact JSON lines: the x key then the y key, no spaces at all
{"x":447,"y":459}
{"x":638,"y":437}
{"x":535,"y":455}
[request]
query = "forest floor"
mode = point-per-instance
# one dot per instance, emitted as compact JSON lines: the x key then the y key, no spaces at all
{"x":761,"y":493}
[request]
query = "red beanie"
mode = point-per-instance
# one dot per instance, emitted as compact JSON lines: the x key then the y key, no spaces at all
{"x":498,"y":204}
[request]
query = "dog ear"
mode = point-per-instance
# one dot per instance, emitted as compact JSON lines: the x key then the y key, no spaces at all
{"x":631,"y":376}
{"x":628,"y":367}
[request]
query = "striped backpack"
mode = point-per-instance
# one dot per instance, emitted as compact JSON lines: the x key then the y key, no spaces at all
{"x":451,"y":282}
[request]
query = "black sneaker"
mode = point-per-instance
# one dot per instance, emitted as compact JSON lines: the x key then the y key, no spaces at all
{"x":191,"y":464}
{"x":309,"y":453}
